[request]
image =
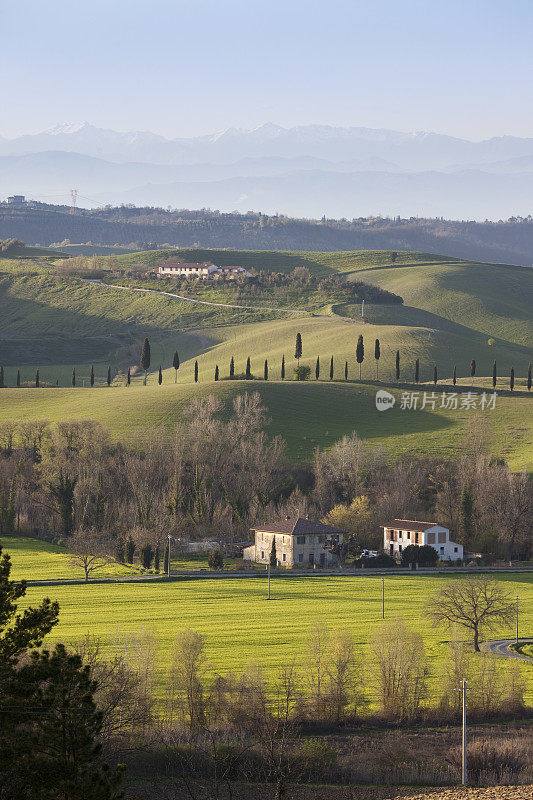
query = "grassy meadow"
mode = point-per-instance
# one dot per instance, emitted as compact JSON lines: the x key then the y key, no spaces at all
{"x":241,"y":627}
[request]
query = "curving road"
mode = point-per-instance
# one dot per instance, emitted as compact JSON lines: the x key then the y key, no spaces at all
{"x":500,"y":647}
{"x":98,"y":282}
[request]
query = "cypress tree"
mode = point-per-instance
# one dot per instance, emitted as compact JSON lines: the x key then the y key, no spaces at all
{"x":37,"y":380}
{"x":128,"y":379}
{"x":298,"y":349}
{"x":273,"y":556}
{"x":18,"y":377}
{"x":265,"y":374}
{"x":360,"y":352}
{"x":2,"y":377}
{"x":511,"y":381}
{"x":317,"y":368}
{"x":283,"y":368}
{"x":147,"y":555}
{"x":397,"y":365}
{"x":109,"y":376}
{"x":473,"y":370}
{"x":331,"y":369}
{"x":120,"y":551}
{"x":160,"y":376}
{"x":145,"y":359}
{"x":417,"y":370}
{"x":345,"y":370}
{"x":92,"y":374}
{"x":216,"y":372}
{"x":494,"y":375}
{"x":157,"y":558}
{"x":74,"y":376}
{"x":176,"y":364}
{"x":130,"y":550}
{"x":196,"y":371}
{"x":248,"y":369}
{"x":467,"y":514}
{"x":377,"y":355}
{"x":454,"y":374}
{"x":529,"y":378}
{"x":435,"y":376}
{"x":232,"y":367}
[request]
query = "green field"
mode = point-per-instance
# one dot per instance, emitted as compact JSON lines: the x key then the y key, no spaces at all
{"x":242,"y":627}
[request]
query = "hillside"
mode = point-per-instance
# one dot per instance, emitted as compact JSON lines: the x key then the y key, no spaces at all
{"x":45,"y":224}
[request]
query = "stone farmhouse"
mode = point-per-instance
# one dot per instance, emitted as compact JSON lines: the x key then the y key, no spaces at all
{"x":299,"y":543}
{"x":205,"y":271}
{"x":400,"y":533}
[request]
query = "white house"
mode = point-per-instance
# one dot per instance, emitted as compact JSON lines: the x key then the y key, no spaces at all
{"x":203,"y":271}
{"x":400,"y":533}
{"x":299,"y":543}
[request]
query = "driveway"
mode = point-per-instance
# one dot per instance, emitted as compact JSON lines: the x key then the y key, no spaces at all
{"x":500,"y":647}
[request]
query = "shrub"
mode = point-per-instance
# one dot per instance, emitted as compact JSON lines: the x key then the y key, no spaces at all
{"x":492,"y":762}
{"x":302,"y":372}
{"x":215,"y":558}
{"x":314,"y":760}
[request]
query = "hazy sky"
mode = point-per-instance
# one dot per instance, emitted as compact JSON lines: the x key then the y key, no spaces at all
{"x":186,"y":67}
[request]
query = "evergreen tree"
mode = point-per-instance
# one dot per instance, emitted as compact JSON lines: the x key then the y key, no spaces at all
{"x":331,"y":369}
{"x":130,"y":550}
{"x":529,"y":378}
{"x":273,"y":556}
{"x":157,"y":558}
{"x":435,"y":376}
{"x":147,"y":555}
{"x":165,"y":560}
{"x":454,"y":374}
{"x":377,"y":355}
{"x":216,"y":372}
{"x":92,"y":374}
{"x":248,"y":368}
{"x":37,"y":379}
{"x":120,"y":551}
{"x":265,"y":372}
{"x":473,"y":370}
{"x":345,"y":370}
{"x":160,"y":376}
{"x":511,"y":380}
{"x":283,"y":368}
{"x":417,"y":370}
{"x":232,"y":368}
{"x":494,"y":375}
{"x":109,"y":376}
{"x":196,"y":371}
{"x":298,"y":349}
{"x":176,"y":364}
{"x":317,"y":368}
{"x":128,"y":379}
{"x":467,"y":515}
{"x":397,"y":365}
{"x":145,"y":359}
{"x":215,"y":559}
{"x":360,"y":352}
{"x":2,"y":377}
{"x":74,"y":377}
{"x":18,"y":377}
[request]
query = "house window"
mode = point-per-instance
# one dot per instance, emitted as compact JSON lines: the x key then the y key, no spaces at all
{"x":300,"y":540}
{"x":416,"y":538}
{"x":399,"y":548}
{"x":455,"y":549}
{"x":311,"y":558}
{"x":442,"y":549}
{"x":408,"y":535}
{"x":262,"y":553}
{"x":300,"y":557}
{"x":284,"y":557}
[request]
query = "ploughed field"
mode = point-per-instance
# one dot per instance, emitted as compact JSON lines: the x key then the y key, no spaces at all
{"x":241,"y":627}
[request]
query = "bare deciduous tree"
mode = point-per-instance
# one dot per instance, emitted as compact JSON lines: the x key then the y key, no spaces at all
{"x":87,"y":550}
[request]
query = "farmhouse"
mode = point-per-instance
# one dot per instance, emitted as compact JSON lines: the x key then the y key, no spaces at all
{"x":205,"y":271}
{"x":298,"y":542}
{"x":400,"y":533}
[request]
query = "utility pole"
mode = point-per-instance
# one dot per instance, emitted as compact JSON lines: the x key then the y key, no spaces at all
{"x":73,"y":200}
{"x":517,"y":599}
{"x":463,"y":689}
{"x":363,"y":308}
{"x":383,"y":598}
{"x":168,"y":565}
{"x":268,"y":573}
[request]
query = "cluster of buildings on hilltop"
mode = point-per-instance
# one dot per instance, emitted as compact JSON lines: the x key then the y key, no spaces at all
{"x":15,"y":200}
{"x":205,"y":271}
{"x":304,"y":543}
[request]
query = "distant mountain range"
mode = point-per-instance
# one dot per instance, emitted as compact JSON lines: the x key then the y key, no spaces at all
{"x":304,"y":171}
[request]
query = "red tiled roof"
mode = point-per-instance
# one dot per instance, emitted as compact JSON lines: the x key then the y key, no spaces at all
{"x":298,"y":527}
{"x":409,"y":525}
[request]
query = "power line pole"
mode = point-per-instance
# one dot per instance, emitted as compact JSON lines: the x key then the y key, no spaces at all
{"x":517,"y":599}
{"x":73,"y":199}
{"x":268,"y":573}
{"x":463,"y":689}
{"x":383,"y":598}
{"x":168,"y":565}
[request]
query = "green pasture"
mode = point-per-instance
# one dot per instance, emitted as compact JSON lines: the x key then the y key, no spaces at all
{"x":241,"y":627}
{"x":306,"y":415}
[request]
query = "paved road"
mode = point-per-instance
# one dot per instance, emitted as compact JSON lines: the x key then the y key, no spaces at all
{"x":500,"y":647}
{"x":99,"y":282}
